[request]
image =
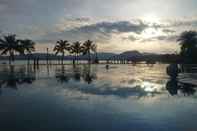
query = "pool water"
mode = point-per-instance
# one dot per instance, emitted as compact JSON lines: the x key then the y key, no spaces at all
{"x":92,"y":98}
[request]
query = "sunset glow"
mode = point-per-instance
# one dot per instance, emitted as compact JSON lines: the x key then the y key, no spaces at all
{"x":108,"y":23}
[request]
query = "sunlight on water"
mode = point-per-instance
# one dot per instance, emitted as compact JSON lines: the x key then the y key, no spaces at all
{"x":91,"y":97}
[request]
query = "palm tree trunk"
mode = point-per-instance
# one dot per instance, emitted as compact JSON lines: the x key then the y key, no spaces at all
{"x":13,"y":56}
{"x":28,"y":59}
{"x":77,"y":58}
{"x":89,"y":57}
{"x":62,"y":58}
{"x":9,"y":57}
{"x":96,"y":59}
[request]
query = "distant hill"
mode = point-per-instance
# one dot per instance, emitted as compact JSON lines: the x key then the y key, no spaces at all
{"x":131,"y":54}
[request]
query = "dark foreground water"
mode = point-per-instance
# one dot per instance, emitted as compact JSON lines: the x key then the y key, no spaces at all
{"x":92,"y":98}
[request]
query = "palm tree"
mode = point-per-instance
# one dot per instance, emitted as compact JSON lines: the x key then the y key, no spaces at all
{"x":9,"y":44}
{"x":94,"y":49}
{"x":28,"y":47}
{"x":61,"y":46}
{"x":188,"y":42}
{"x":76,"y":49}
{"x":89,"y":47}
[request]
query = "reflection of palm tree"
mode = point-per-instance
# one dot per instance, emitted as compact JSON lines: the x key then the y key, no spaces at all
{"x":61,"y":47}
{"x":62,"y":76}
{"x":29,"y":76}
{"x":187,"y":89}
{"x":88,"y":76}
{"x":1,"y":83}
{"x":76,"y":49}
{"x":174,"y":85}
{"x":27,"y":46}
{"x":76,"y":73}
{"x":88,"y":46}
{"x":12,"y":78}
{"x":188,"y":42}
{"x":9,"y":44}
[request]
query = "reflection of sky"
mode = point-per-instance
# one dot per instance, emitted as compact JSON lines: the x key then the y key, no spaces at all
{"x":111,"y":102}
{"x":122,"y":81}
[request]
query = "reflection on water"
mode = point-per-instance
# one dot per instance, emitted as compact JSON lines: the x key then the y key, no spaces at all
{"x":114,"y":81}
{"x":76,"y":73}
{"x":173,"y":86}
{"x":91,"y":97}
{"x":10,"y":77}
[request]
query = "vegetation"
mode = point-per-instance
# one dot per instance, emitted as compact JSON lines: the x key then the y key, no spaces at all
{"x":76,"y":49}
{"x":61,"y":46}
{"x":9,"y":45}
{"x":188,"y":42}
{"x":28,"y":46}
{"x":87,"y":48}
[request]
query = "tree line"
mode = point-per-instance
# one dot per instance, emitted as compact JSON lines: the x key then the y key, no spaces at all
{"x":9,"y":45}
{"x":76,"y":48}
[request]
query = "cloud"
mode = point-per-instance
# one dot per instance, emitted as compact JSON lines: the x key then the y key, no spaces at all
{"x":166,"y":38}
{"x":168,"y":31}
{"x":131,"y":38}
{"x":71,"y":23}
{"x":100,"y":32}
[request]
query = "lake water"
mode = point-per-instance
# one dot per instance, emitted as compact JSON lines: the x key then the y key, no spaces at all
{"x":93,"y":98}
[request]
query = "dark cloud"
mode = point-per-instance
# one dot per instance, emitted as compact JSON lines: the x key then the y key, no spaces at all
{"x":82,"y":19}
{"x":113,"y":27}
{"x":170,"y":38}
{"x":168,"y":31}
{"x":100,"y":32}
{"x":186,"y":22}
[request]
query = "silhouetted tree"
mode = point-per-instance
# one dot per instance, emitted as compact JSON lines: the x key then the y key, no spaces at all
{"x":88,"y":47}
{"x":76,"y":49}
{"x":61,"y":46}
{"x":188,"y":42}
{"x":28,"y":46}
{"x":9,"y":44}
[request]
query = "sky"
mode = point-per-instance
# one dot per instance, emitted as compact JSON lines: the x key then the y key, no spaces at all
{"x":114,"y":25}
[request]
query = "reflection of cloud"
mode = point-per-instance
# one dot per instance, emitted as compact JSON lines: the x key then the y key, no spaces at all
{"x":107,"y":89}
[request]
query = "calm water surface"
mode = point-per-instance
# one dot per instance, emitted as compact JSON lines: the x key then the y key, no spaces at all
{"x":92,"y":98}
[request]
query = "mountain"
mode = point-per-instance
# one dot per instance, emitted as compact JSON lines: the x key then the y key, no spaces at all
{"x":128,"y":55}
{"x":131,"y":54}
{"x":100,"y":56}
